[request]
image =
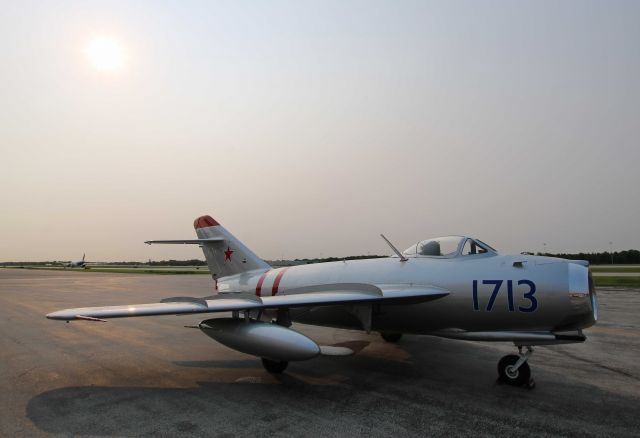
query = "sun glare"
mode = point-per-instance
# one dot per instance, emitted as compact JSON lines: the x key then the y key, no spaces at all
{"x":105,"y":54}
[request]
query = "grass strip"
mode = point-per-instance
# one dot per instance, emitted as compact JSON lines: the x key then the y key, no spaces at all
{"x":621,"y":269}
{"x":119,"y":270}
{"x":617,"y":281}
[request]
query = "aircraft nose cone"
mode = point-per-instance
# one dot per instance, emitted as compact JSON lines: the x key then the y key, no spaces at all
{"x":578,"y":279}
{"x":582,"y":294}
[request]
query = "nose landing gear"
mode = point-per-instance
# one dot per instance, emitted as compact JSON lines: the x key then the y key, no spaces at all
{"x":514,"y":370}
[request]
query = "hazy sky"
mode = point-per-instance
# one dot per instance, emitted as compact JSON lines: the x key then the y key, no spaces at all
{"x":307,"y":128}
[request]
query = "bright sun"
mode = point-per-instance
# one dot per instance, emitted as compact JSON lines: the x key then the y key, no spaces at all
{"x":106,"y":54}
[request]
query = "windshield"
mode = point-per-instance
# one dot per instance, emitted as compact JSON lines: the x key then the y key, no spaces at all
{"x":472,"y":247}
{"x":488,"y":246}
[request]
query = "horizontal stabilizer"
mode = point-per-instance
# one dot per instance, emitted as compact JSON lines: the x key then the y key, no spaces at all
{"x":186,"y":241}
{"x":315,"y":296}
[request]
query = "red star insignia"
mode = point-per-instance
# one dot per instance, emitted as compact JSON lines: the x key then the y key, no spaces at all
{"x":227,"y":254}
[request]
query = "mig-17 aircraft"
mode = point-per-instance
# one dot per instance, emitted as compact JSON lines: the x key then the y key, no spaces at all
{"x":454,"y":287}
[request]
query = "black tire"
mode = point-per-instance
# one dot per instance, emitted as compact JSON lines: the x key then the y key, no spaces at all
{"x":274,"y":366}
{"x":519,"y":377}
{"x":391,"y":337}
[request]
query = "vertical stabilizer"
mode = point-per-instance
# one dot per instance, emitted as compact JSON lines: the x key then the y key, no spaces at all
{"x":226,"y":257}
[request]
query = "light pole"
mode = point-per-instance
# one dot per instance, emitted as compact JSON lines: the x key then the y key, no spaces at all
{"x":611,"y":251}
{"x":544,"y":250}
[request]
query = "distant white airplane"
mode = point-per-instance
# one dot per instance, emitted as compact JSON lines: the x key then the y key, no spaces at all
{"x":75,"y":264}
{"x":454,"y":287}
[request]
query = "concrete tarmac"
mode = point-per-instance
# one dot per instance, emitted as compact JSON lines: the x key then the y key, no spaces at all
{"x":153,"y":377}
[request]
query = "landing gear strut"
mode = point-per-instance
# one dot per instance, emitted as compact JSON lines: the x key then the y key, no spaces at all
{"x":514,"y":370}
{"x":274,"y":366}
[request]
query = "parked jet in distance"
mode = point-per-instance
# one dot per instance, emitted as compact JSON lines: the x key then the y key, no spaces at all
{"x":454,"y":287}
{"x":75,"y":264}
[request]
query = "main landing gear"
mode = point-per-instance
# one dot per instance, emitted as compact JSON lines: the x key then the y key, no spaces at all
{"x":514,"y":370}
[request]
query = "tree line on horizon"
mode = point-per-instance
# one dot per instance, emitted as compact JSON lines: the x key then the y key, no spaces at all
{"x":627,"y":257}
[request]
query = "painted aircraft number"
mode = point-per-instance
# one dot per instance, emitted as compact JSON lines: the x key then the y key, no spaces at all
{"x":497,"y":284}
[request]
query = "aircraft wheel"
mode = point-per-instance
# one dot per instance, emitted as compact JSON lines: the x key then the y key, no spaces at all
{"x":519,"y":377}
{"x":391,"y":337}
{"x":274,"y":366}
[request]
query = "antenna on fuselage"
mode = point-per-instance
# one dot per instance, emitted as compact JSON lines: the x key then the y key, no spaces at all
{"x":398,"y":253}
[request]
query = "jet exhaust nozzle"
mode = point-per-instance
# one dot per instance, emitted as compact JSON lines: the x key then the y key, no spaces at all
{"x":261,"y":339}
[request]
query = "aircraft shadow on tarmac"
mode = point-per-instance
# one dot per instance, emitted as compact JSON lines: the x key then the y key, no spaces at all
{"x":423,"y":386}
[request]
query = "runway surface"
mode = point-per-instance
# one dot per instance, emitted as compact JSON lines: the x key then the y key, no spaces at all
{"x":153,"y":377}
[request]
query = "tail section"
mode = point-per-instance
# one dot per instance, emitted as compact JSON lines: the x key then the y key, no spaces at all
{"x":227,"y":256}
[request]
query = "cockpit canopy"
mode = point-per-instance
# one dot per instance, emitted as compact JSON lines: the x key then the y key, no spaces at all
{"x":449,"y":247}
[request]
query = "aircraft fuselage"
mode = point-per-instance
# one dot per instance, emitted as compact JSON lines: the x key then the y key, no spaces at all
{"x":527,"y":293}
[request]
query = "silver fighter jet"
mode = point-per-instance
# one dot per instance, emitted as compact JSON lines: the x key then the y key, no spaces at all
{"x":454,"y":287}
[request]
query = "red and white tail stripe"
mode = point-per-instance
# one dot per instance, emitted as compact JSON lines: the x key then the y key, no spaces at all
{"x":269,"y":277}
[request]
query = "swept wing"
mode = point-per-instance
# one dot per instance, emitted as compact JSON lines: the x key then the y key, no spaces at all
{"x":323,"y":295}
